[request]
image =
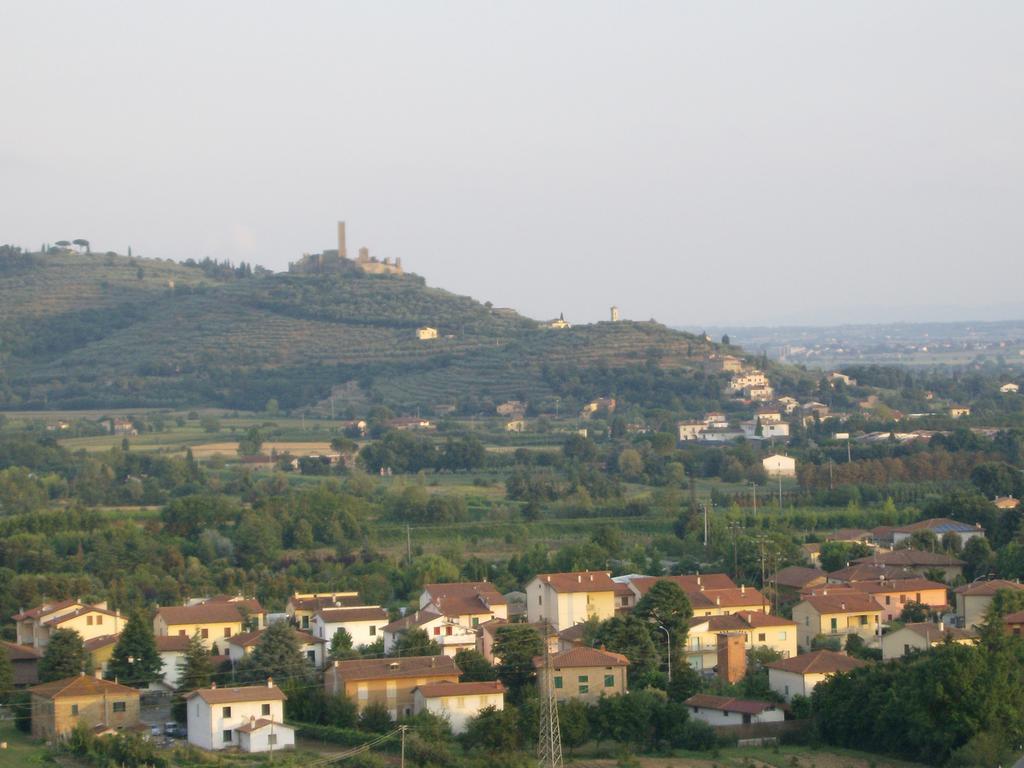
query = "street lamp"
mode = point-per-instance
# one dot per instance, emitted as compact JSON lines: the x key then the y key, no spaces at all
{"x":668,"y":645}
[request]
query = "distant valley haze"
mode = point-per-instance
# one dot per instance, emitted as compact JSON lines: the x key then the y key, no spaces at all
{"x":701,"y":163}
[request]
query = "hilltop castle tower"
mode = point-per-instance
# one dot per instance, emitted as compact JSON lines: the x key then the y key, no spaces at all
{"x":615,"y":314}
{"x":342,"y":249}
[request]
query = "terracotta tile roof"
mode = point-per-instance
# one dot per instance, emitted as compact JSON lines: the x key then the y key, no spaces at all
{"x":244,"y":693}
{"x":580,"y":581}
{"x":760,"y":619}
{"x":729,"y":704}
{"x":897,"y":585}
{"x":741,"y":620}
{"x":81,"y":685}
{"x":817,"y":663}
{"x":737,"y":597}
{"x":847,"y":602}
{"x":204,"y":613}
{"x":247,"y":639}
{"x":320,"y":602}
{"x":466,"y":589}
{"x":1014,"y":618}
{"x":584,"y":657}
{"x":410,"y":666}
{"x":987,"y":588}
{"x":414,"y":619}
{"x":169,"y":643}
{"x":457,"y":605}
{"x":912,"y":557}
{"x":796,"y":576}
{"x":337,"y":615}
{"x":688,"y":583}
{"x":870,"y":572}
{"x":95,"y":643}
{"x":849,"y":534}
{"x":16,"y":652}
{"x":933,"y":633}
{"x":85,"y":609}
{"x":574,"y":633}
{"x":248,"y":604}
{"x":436,"y":690}
{"x":42,"y":610}
{"x":940,"y":525}
{"x":255,"y":725}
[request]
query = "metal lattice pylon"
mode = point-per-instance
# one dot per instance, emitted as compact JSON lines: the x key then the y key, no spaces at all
{"x":549,"y":741}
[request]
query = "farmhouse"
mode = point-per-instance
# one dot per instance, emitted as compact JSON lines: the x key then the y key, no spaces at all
{"x":585,"y":673}
{"x":59,"y":706}
{"x":249,"y":717}
{"x":458,"y":702}
{"x":921,"y":636}
{"x":799,"y":675}
{"x":725,"y":710}
{"x":779,"y":466}
{"x":390,"y":682}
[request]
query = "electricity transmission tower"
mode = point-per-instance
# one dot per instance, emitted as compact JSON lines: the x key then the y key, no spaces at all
{"x":549,"y":742}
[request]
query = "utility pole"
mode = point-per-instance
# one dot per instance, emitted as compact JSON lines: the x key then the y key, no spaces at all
{"x":760,"y":541}
{"x":403,"y":729}
{"x":549,"y":741}
{"x":780,"y":491}
{"x":830,"y":473}
{"x":849,"y":458}
{"x":734,"y":527}
{"x":408,"y":545}
{"x":754,"y":486}
{"x":705,"y":508}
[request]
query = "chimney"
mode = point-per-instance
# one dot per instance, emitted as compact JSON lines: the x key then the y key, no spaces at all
{"x":743,"y":589}
{"x":942,"y":626}
{"x":579,"y":579}
{"x":843,"y":606}
{"x":718,"y":600}
{"x":213,"y":685}
{"x":701,"y":587}
{"x":698,"y":578}
{"x":342,"y":250}
{"x":270,"y":682}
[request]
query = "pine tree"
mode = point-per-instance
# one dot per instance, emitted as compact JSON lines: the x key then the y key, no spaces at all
{"x":135,"y":660}
{"x":276,"y":655}
{"x":6,"y":677}
{"x":64,"y":656}
{"x":196,"y":669}
{"x":341,"y":646}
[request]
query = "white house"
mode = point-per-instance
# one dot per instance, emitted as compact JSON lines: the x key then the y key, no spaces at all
{"x":363,"y":624}
{"x":939,"y":526}
{"x":444,"y":630}
{"x":725,"y":710}
{"x":1009,"y":388}
{"x":172,"y":650}
{"x":690,"y":430}
{"x":776,"y":430}
{"x":779,"y":466}
{"x":921,"y":636}
{"x":458,"y":701}
{"x":798,"y":675}
{"x":250,"y":718}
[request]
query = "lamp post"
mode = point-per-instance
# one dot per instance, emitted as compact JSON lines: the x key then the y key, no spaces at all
{"x":668,"y":645}
{"x":753,"y":485}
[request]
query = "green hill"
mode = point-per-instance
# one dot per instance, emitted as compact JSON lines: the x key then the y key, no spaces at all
{"x":104,"y":331}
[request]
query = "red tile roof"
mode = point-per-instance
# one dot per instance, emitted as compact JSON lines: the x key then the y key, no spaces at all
{"x":410,"y":666}
{"x":737,"y":597}
{"x":42,"y":610}
{"x":85,"y":609}
{"x":817,"y":663}
{"x":204,"y":613}
{"x":1014,"y":618}
{"x":688,"y":583}
{"x":339,"y":615}
{"x":913,"y":558}
{"x":244,"y":693}
{"x":436,"y":690}
{"x":255,"y":725}
{"x":326,"y":601}
{"x":584,"y":657}
{"x":16,"y":652}
{"x":580,"y":581}
{"x":466,"y":589}
{"x":247,"y":639}
{"x":169,"y":643}
{"x":81,"y":685}
{"x":987,"y":588}
{"x":797,"y":577}
{"x":729,"y":704}
{"x":95,"y":643}
{"x":897,"y":585}
{"x":933,"y":633}
{"x":870,"y":572}
{"x":847,"y":602}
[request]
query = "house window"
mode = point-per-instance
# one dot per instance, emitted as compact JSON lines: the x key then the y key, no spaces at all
{"x":88,"y":621}
{"x":204,"y":633}
{"x":447,"y":630}
{"x":609,"y":681}
{"x":460,"y":702}
{"x":918,"y":597}
{"x":181,"y":633}
{"x":74,"y":709}
{"x":540,"y":600}
{"x":226,"y":737}
{"x":272,"y":739}
{"x":265,"y":710}
{"x":305,"y":622}
{"x":226,"y":712}
{"x":761,"y":637}
{"x":311,"y":657}
{"x":437,"y":630}
{"x":584,"y":688}
{"x":558,"y":681}
{"x":888,"y":600}
{"x":863,"y":621}
{"x":787,"y":689}
{"x":227,"y":631}
{"x":120,"y":706}
{"x":584,"y":678}
{"x":99,"y":619}
{"x":476,"y":621}
{"x":782,"y":635}
{"x":835,"y":625}
{"x":906,"y":649}
{"x":373,"y":630}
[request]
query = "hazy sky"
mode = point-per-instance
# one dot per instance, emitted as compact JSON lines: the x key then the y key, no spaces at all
{"x":696,"y":162}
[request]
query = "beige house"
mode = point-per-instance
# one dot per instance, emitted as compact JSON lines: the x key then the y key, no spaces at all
{"x":470,"y":603}
{"x":973,"y":600}
{"x":426,"y":333}
{"x":585,"y":673}
{"x":390,"y":682}
{"x":759,"y":630}
{"x":458,"y":702}
{"x":710,"y":594}
{"x":214,"y":622}
{"x":797,"y":676}
{"x":364,"y":625}
{"x":564,"y":599}
{"x":939,"y":526}
{"x":250,"y":718}
{"x":447,"y":632}
{"x":24,"y":663}
{"x":487,"y":633}
{"x":918,"y":562}
{"x":958,"y":411}
{"x":100,"y":650}
{"x":779,"y":466}
{"x":35,"y":626}
{"x":922,"y":636}
{"x":848,"y":613}
{"x":59,"y":706}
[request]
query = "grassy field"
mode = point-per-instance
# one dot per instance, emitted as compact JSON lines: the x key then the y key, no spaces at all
{"x":754,"y":757}
{"x":21,"y":751}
